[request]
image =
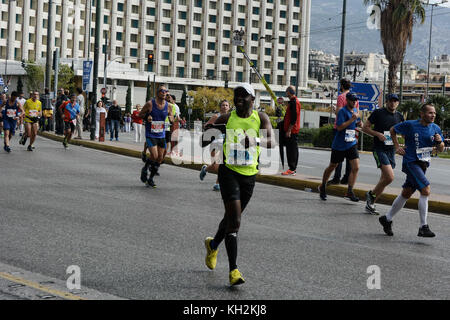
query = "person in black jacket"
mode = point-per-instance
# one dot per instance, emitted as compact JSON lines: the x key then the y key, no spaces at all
{"x":114,"y":114}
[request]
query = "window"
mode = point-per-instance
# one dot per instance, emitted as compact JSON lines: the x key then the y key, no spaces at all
{"x":282,"y":14}
{"x":210,"y":60}
{"x":254,"y":50}
{"x":281,"y":40}
{"x":181,"y":28}
{"x":256,"y":10}
{"x":195,"y":58}
{"x":241,"y":22}
{"x":166,"y":13}
{"x":226,"y":20}
{"x":133,"y":52}
{"x":166,"y":27}
{"x":226,"y":47}
{"x":226,"y":33}
{"x":151,"y":11}
{"x":282,"y":27}
{"x":212,"y":18}
{"x":227,"y":7}
{"x":198,"y":3}
{"x":211,"y":46}
{"x":180,"y":72}
{"x":211,"y":32}
{"x":181,"y":43}
{"x":295,"y":28}
{"x":241,"y":9}
{"x":294,"y":54}
{"x":197,"y":17}
{"x":150,"y":39}
{"x":212,"y":5}
{"x":135,"y":9}
{"x":182,"y":15}
{"x":267,"y":77}
{"x":120,"y":7}
{"x":269,"y":25}
{"x":119,"y":36}
{"x":180,"y":56}
{"x":268,"y":51}
{"x":135,"y":23}
{"x":197,"y":30}
{"x":133,"y":38}
{"x":165,"y":41}
{"x":239,"y":76}
{"x":196,"y":44}
{"x":280,"y":65}
{"x":225,"y":60}
{"x":119,"y":22}
{"x":210,"y":74}
{"x":254,"y":36}
{"x":269,"y":12}
{"x":105,"y":19}
{"x":165,"y":55}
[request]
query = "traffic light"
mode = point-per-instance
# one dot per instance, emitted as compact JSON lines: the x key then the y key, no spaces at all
{"x":150,"y":59}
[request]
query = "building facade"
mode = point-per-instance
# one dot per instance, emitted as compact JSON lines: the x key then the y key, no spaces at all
{"x":191,"y":39}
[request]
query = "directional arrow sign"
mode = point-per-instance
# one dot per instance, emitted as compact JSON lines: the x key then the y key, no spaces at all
{"x":368,"y":94}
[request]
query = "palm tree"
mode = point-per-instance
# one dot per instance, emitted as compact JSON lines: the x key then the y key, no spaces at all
{"x":397,"y":20}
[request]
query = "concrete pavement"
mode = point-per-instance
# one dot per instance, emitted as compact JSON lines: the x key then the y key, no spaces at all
{"x":88,"y":208}
{"x":308,"y":177}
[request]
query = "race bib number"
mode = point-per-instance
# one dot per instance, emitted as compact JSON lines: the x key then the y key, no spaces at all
{"x":424,"y":154}
{"x":33,"y":113}
{"x":10,"y":113}
{"x":239,"y":156}
{"x":350,"y":135}
{"x":388,"y":141}
{"x":157,"y":126}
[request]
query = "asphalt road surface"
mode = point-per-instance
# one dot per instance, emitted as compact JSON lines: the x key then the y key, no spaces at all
{"x":88,"y":208}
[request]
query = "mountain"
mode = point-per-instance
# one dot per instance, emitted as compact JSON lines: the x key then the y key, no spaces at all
{"x":326,"y":20}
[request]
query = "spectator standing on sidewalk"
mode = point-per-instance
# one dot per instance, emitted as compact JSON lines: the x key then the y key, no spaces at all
{"x":137,"y":123}
{"x":280,"y":127}
{"x":291,"y":130}
{"x":114,"y":114}
{"x":80,"y":117}
{"x":127,"y":120}
{"x":98,"y":111}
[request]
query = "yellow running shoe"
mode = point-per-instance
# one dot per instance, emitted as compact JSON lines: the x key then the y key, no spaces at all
{"x":236,"y":278}
{"x":211,"y":255}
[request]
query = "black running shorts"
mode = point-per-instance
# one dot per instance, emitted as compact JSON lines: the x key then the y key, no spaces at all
{"x":235,"y":186}
{"x":68,"y":125}
{"x":338,"y":156}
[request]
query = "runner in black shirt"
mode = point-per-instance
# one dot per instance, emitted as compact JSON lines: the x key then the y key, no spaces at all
{"x":383,"y":148}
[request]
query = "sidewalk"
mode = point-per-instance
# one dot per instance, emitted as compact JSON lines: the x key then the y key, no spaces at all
{"x":126,"y":146}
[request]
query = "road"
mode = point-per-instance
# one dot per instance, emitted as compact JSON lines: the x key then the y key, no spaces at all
{"x":88,"y":208}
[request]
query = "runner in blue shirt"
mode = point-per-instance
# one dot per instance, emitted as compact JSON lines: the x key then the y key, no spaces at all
{"x":11,"y":112}
{"x":421,"y":136}
{"x":344,"y":146}
{"x":69,"y":115}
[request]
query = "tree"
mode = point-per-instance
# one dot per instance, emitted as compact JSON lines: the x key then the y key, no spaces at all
{"x":20,"y":85}
{"x":398,"y":18}
{"x":128,"y":100}
{"x":410,"y":109}
{"x":208,"y":100}
{"x":35,"y":76}
{"x":183,"y":104}
{"x":66,"y":78}
{"x":442,"y":105}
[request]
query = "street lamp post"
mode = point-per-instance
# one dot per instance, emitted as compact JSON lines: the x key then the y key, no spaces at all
{"x":357,"y":65}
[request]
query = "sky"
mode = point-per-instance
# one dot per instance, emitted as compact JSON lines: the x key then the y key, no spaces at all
{"x":326,"y":20}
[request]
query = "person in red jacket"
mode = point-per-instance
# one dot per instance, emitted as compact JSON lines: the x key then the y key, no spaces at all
{"x":137,"y":123}
{"x":291,"y":130}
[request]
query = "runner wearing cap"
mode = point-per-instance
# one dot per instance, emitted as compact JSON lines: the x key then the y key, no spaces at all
{"x":344,"y":147}
{"x":421,"y":136}
{"x":384,"y":152}
{"x":237,"y":174}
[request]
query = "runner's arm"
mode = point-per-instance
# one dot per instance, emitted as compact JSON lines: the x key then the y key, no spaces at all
{"x":367,"y":128}
{"x":398,"y":149}
{"x":146,"y":109}
{"x":219,"y":124}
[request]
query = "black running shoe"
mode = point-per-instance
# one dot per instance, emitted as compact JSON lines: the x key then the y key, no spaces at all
{"x":7,"y":149}
{"x":370,"y":203}
{"x":30,"y":148}
{"x":144,"y":174}
{"x":151,"y":183}
{"x":344,"y":180}
{"x":425,"y":232}
{"x":387,"y":225}
{"x":323,"y":193}
{"x":144,"y":156}
{"x":351,"y":196}
{"x":23,"y":140}
{"x":333,"y":181}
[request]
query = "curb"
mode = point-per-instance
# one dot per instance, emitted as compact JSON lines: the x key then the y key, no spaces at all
{"x":305,"y":185}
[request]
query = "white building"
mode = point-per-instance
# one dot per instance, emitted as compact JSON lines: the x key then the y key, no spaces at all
{"x":440,"y":65}
{"x":191,"y":40}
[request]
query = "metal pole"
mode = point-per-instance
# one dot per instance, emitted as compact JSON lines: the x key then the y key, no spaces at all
{"x":384,"y":88}
{"x":96,"y":56}
{"x":105,"y":79}
{"x":154,"y":85}
{"x":341,"y":59}
{"x":55,"y":85}
{"x":48,"y":66}
{"x":401,"y":82}
{"x":297,"y":80}
{"x":429,"y":52}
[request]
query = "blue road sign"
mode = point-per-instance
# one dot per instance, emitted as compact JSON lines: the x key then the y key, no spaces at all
{"x":87,"y":66}
{"x":1,"y":82}
{"x":368,"y":94}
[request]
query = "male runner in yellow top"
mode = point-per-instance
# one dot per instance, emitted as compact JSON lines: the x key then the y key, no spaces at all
{"x":32,"y":112}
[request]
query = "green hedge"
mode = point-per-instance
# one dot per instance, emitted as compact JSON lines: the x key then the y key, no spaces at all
{"x":324,"y":137}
